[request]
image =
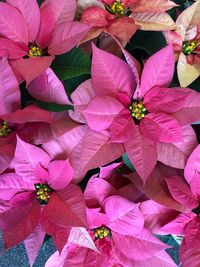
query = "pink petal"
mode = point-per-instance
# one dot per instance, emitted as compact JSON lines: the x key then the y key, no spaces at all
{"x":96,"y":218}
{"x":23,"y":229}
{"x":135,"y":67}
{"x":59,"y":234}
{"x":67,"y":207}
{"x":176,"y":154}
{"x":191,"y":110}
{"x":47,"y":87}
{"x":11,"y":184}
{"x":31,"y":13}
{"x":101,"y":111}
{"x":158,"y":70}
{"x":192,"y":233}
{"x":16,"y":209}
{"x":12,"y":24}
{"x":63,"y":11}
{"x":10,"y":49}
{"x":81,"y":97}
{"x":93,"y":151}
{"x":110,"y":74}
{"x":155,"y":6}
{"x":154,"y":21}
{"x":189,"y":251}
{"x":177,"y":226}
{"x":27,"y":157}
{"x":195,"y":185}
{"x":66,"y":36}
{"x":162,"y":259}
{"x":192,"y":167}
{"x":122,"y":128}
{"x":97,"y":191}
{"x":41,"y":175}
{"x":28,"y":114}
{"x":142,"y":153}
{"x":65,"y":142}
{"x":155,"y":187}
{"x":108,"y":171}
{"x":61,"y":174}
{"x":160,"y":127}
{"x":189,"y":255}
{"x":140,"y":247}
{"x":6,"y":155}
{"x":31,"y":68}
{"x":116,"y":28}
{"x":33,"y":243}
{"x":181,"y":192}
{"x":47,"y":25}
{"x":81,"y":237}
{"x":9,"y":89}
{"x":168,"y":100}
{"x":156,"y":215}
{"x":125,"y":216}
{"x":96,"y":16}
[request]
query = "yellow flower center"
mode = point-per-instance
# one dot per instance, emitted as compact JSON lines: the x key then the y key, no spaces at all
{"x":188,"y":47}
{"x":117,"y":8}
{"x":43,"y":192}
{"x":138,"y":110}
{"x":34,"y":51}
{"x":4,"y":129}
{"x":102,"y":232}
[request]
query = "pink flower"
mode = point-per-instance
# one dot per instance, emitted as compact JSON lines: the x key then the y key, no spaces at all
{"x":47,"y":87}
{"x":187,"y":195}
{"x":139,"y":119}
{"x":32,"y":36}
{"x":39,"y":195}
{"x":9,"y":93}
{"x":114,"y":16}
{"x":185,"y":40}
{"x":116,"y":227}
{"x":72,"y":254}
{"x":24,"y":122}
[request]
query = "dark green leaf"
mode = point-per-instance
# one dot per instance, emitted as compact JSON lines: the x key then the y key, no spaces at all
{"x":26,"y":98}
{"x":72,"y":64}
{"x":148,"y":41}
{"x":72,"y":84}
{"x":52,"y":106}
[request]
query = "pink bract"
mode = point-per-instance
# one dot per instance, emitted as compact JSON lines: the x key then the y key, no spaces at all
{"x":187,"y":194}
{"x":24,"y":122}
{"x":113,"y":16}
{"x":32,"y":36}
{"x":110,"y":102}
{"x":40,"y":194}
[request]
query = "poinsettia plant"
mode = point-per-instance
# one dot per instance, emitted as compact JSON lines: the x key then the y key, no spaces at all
{"x":99,"y":132}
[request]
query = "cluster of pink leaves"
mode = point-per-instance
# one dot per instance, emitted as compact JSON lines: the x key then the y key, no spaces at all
{"x":56,"y":150}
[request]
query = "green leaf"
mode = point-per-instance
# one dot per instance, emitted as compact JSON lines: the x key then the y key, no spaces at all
{"x":53,"y":107}
{"x":39,"y":2}
{"x":145,"y":43}
{"x":72,"y":64}
{"x":127,"y":162}
{"x":72,"y":84}
{"x":26,"y":98}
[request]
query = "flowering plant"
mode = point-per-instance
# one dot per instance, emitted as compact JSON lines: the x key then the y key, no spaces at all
{"x":99,"y":132}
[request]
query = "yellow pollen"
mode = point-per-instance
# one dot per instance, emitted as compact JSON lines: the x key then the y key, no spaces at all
{"x":34,"y":51}
{"x":117,"y":8}
{"x":188,"y":47}
{"x":102,"y":232}
{"x":4,"y":129}
{"x":43,"y":192}
{"x":138,"y":110}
